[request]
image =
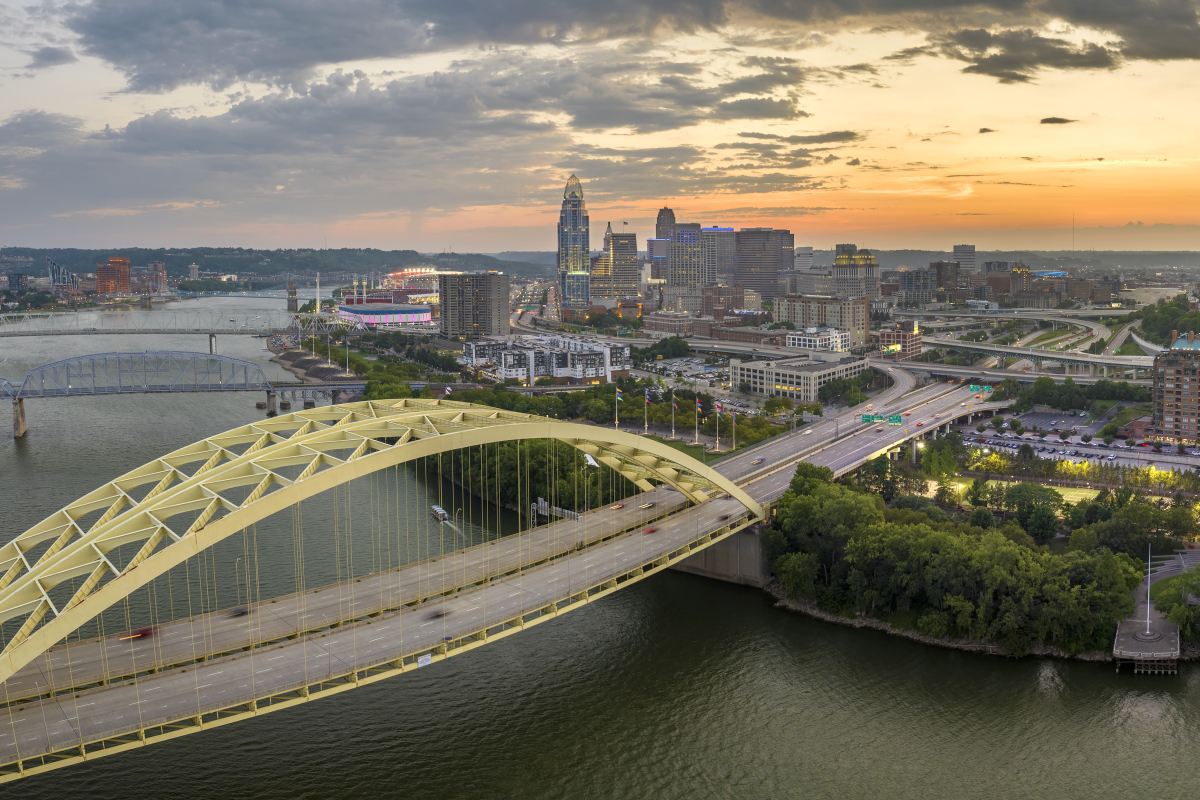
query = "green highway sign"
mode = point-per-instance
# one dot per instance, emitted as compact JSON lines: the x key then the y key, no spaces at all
{"x":974,"y":388}
{"x":894,"y":419}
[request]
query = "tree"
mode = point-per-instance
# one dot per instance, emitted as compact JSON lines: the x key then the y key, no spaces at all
{"x":744,"y":387}
{"x":982,"y":518}
{"x":981,"y":427}
{"x":1083,"y":540}
{"x":1023,"y":498}
{"x":977,"y":494}
{"x":1026,"y":453}
{"x":1064,"y":435}
{"x":776,"y":404}
{"x":1043,"y":524}
{"x":544,"y":381}
{"x":1087,"y":437}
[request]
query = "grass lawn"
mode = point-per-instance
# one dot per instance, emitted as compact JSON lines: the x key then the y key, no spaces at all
{"x":1130,"y":413}
{"x":1101,"y":407}
{"x":1069,"y":494}
{"x":1130,"y":348}
{"x":685,"y":446}
{"x":1047,"y":338}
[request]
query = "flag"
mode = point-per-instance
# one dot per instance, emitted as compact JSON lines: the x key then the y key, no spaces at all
{"x":674,"y":405}
{"x":647,"y":395}
{"x":735,"y":419}
{"x":720,"y":408}
{"x":479,"y":386}
{"x":699,"y":405}
{"x":449,"y":390}
{"x":618,"y":394}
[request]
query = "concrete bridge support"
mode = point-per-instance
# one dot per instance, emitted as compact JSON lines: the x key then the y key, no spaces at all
{"x":19,"y":426}
{"x":736,"y":559}
{"x":272,"y":404}
{"x":212,"y":344}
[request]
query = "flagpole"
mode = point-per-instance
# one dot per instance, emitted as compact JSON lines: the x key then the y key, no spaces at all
{"x":734,"y":431}
{"x":672,"y":413}
{"x":617,"y":409}
{"x":717,"y":446}
{"x":646,"y":413}
{"x":697,"y":420}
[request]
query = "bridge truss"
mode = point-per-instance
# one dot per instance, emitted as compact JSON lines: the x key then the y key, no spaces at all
{"x":57,"y":575}
{"x":129,"y":321}
{"x":143,"y":373}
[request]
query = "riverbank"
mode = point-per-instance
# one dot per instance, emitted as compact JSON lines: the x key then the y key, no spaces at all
{"x":1190,"y":652}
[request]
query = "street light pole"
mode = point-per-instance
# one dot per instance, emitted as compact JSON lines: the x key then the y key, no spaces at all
{"x":237,"y":580}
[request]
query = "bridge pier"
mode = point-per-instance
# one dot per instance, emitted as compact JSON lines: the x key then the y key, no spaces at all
{"x":19,"y":426}
{"x":272,"y":404}
{"x":212,"y":344}
{"x":736,"y":559}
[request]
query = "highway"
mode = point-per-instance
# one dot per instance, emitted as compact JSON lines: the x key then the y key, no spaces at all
{"x":199,"y":688}
{"x":1119,"y":362}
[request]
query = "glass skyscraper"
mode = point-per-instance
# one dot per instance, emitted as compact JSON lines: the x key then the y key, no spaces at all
{"x":574,"y":247}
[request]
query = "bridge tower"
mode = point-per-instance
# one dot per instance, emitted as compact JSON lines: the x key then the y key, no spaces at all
{"x":293,"y":305}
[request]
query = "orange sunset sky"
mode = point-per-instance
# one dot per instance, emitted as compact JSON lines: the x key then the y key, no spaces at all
{"x":425,"y":126}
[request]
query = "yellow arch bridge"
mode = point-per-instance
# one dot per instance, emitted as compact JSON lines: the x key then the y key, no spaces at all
{"x":108,"y":693}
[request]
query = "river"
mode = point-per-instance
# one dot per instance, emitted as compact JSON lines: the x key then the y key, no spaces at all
{"x":677,"y":687}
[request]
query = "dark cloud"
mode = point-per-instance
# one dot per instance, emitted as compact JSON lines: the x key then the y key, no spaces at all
{"x":814,"y":138}
{"x":43,"y":57}
{"x":1057,"y":121}
{"x":158,"y":46}
{"x":854,"y":162}
{"x":759,"y":108}
{"x":987,"y":130}
{"x":1016,"y":56}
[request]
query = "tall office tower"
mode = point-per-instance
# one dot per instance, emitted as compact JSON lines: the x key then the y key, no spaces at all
{"x":574,"y":246}
{"x":964,"y":254}
{"x":947,"y":273}
{"x":615,"y":272}
{"x":1021,"y":280}
{"x":474,"y":304}
{"x":803,"y":258}
{"x":685,"y":265}
{"x":158,"y":275}
{"x":845,"y":250}
{"x":193,"y":272}
{"x":761,"y":253}
{"x":719,"y":248}
{"x":856,"y":274}
{"x":665,"y":223}
{"x":113,"y":277}
{"x":577,"y":292}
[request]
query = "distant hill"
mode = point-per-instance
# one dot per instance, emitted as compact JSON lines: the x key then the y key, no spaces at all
{"x":264,"y":263}
{"x":1048,"y":259}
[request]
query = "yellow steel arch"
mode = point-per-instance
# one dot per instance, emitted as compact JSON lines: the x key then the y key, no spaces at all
{"x":369,"y":436}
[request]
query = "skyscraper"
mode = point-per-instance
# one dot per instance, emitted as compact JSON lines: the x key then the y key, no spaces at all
{"x":761,"y":253}
{"x":474,"y":304}
{"x":113,"y":277}
{"x":615,"y":273}
{"x":964,"y":254}
{"x":666,"y":221}
{"x":719,"y":248}
{"x":856,"y":274}
{"x":684,"y":259}
{"x":803,"y":258}
{"x":574,"y":247}
{"x":158,"y":275}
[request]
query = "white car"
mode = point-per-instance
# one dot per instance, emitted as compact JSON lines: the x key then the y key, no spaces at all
{"x":807,"y":432}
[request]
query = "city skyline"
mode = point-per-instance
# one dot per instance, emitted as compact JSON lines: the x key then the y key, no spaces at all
{"x":1010,"y":126}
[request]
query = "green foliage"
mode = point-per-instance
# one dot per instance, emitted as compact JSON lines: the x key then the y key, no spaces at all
{"x":776,"y":404}
{"x":1171,"y":598}
{"x":848,"y":389}
{"x":1083,"y":540}
{"x":1067,"y":395}
{"x":953,"y":579}
{"x":1165,"y":316}
{"x":888,"y":478}
{"x":982,"y":518}
{"x":671,"y":347}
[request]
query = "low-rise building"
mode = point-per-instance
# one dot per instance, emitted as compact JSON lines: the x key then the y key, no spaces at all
{"x":672,"y":323}
{"x":901,"y":342}
{"x":851,"y":315}
{"x":565,"y":359}
{"x":819,"y":339}
{"x":799,"y":379}
{"x":750,"y":335}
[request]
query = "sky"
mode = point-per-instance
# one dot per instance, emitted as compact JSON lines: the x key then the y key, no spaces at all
{"x":415,"y":124}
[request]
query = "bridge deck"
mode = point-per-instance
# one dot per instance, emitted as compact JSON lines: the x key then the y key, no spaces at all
{"x":110,"y":718}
